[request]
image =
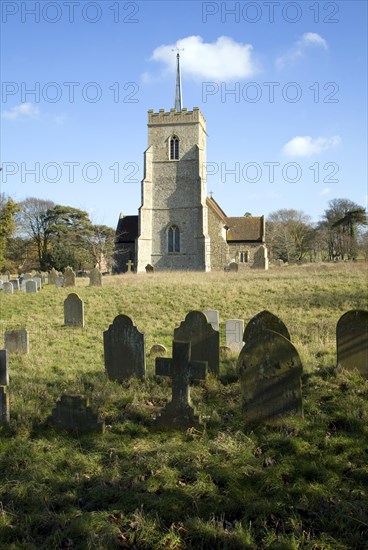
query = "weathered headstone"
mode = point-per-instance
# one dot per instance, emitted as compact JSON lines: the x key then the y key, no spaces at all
{"x":52,"y":276}
{"x":95,"y":277}
{"x":4,"y":368}
{"x":157,"y":349}
{"x":265,"y":320}
{"x":15,"y":284}
{"x":31,"y":286}
{"x":38,"y":282}
{"x":69,"y":277}
{"x":5,"y":278}
{"x":59,"y":281}
{"x":213,"y":317}
{"x":352,"y":341}
{"x":1,"y":284}
{"x":27,"y":276}
{"x":179,"y":413}
{"x":73,"y":413}
{"x":260,"y":258}
{"x":205,"y":340}
{"x":234,"y":334}
{"x":234,"y":267}
{"x":149,"y":268}
{"x":8,"y":288}
{"x":73,"y":311}
{"x":270,"y":378}
{"x":4,"y":405}
{"x":16,"y":341}
{"x":124,"y":350}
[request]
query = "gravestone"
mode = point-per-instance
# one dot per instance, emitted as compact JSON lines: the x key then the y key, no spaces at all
{"x":4,"y":368}
{"x":260,"y":258}
{"x":352,"y":341}
{"x":124,"y":350}
{"x":7,"y":274}
{"x":38,"y":282}
{"x":265,"y":320}
{"x":129,"y":266}
{"x":205,"y":340}
{"x":234,"y":267}
{"x":73,"y":311}
{"x":1,"y":284}
{"x":179,"y":413}
{"x":234,"y":334}
{"x":5,"y":278}
{"x":69,"y":277}
{"x":16,"y":341}
{"x":27,"y":276}
{"x":73,"y":413}
{"x":213,"y":317}
{"x":31,"y":286}
{"x":157,"y":349}
{"x":95,"y":277}
{"x":270,"y":378}
{"x":8,"y":288}
{"x":149,"y":268}
{"x":52,"y":276}
{"x":15,"y":284}
{"x":4,"y":405}
{"x":59,"y":281}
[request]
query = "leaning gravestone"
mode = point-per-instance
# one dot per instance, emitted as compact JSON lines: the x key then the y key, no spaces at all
{"x":4,"y":368}
{"x":16,"y":341}
{"x":124,"y":350}
{"x":69,"y":277}
{"x":73,"y":311}
{"x":4,"y":405}
{"x":95,"y":277}
{"x":265,"y":320}
{"x":205,"y":341}
{"x":270,"y":378}
{"x":8,"y":288}
{"x":52,"y":276}
{"x":179,"y":413}
{"x":234,"y":334}
{"x":59,"y":282}
{"x":213,"y":317}
{"x":352,"y":341}
{"x":73,"y":413}
{"x":31,"y":286}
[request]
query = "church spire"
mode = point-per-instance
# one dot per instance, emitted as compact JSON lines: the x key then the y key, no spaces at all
{"x":178,"y":85}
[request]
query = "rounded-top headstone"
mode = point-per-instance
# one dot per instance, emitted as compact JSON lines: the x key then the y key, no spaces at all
{"x":265,"y":320}
{"x":352,"y":341}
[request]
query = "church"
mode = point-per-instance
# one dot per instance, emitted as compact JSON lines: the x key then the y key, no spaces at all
{"x":178,"y":227}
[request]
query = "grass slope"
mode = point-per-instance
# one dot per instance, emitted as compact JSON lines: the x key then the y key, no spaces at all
{"x":295,"y":484}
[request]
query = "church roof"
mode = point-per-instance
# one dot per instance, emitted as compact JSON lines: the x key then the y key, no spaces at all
{"x":245,"y":228}
{"x":216,"y":208}
{"x":127,"y":229}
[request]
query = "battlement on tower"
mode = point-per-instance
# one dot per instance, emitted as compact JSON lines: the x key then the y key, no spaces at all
{"x":176,"y":117}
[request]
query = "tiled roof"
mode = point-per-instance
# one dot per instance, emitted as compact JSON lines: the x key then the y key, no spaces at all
{"x":127,"y":229}
{"x":245,"y":228}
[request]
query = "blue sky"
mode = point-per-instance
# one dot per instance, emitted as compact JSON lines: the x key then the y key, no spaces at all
{"x":282,"y":85}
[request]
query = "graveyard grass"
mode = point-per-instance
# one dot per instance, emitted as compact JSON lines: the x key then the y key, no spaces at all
{"x":298,"y":483}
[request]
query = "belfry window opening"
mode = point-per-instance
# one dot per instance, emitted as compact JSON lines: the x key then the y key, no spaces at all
{"x":173,"y":239}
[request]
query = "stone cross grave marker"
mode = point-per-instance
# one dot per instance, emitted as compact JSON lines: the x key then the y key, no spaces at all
{"x":69,"y":277}
{"x":270,"y":378}
{"x":73,"y":311}
{"x":124,"y":350}
{"x":352,"y":341}
{"x":234,"y":334}
{"x":205,"y":340}
{"x":73,"y":413}
{"x":179,"y":413}
{"x":52,"y":276}
{"x":59,"y":281}
{"x":4,"y":405}
{"x":265,"y":320}
{"x":16,"y":341}
{"x":129,"y":266}
{"x":4,"y":368}
{"x":31,"y":286}
{"x":95,"y":277}
{"x":213,"y":317}
{"x":8,"y":288}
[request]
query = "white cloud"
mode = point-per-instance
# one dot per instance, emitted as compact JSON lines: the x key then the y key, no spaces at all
{"x":306,"y":146}
{"x":297,"y":51}
{"x":24,"y":110}
{"x":223,"y":59}
{"x":325,"y":191}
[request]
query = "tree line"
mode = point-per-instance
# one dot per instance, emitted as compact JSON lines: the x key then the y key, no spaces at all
{"x":39,"y":234}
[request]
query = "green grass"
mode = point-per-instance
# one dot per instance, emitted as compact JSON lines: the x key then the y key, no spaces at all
{"x":300,"y":483}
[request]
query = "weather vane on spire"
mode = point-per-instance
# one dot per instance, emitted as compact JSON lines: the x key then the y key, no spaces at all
{"x":178,"y":98}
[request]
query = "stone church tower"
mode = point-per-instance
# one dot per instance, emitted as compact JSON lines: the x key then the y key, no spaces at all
{"x":173,"y":227}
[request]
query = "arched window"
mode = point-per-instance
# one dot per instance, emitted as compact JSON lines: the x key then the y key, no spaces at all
{"x":173,"y":238}
{"x":174,"y":148}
